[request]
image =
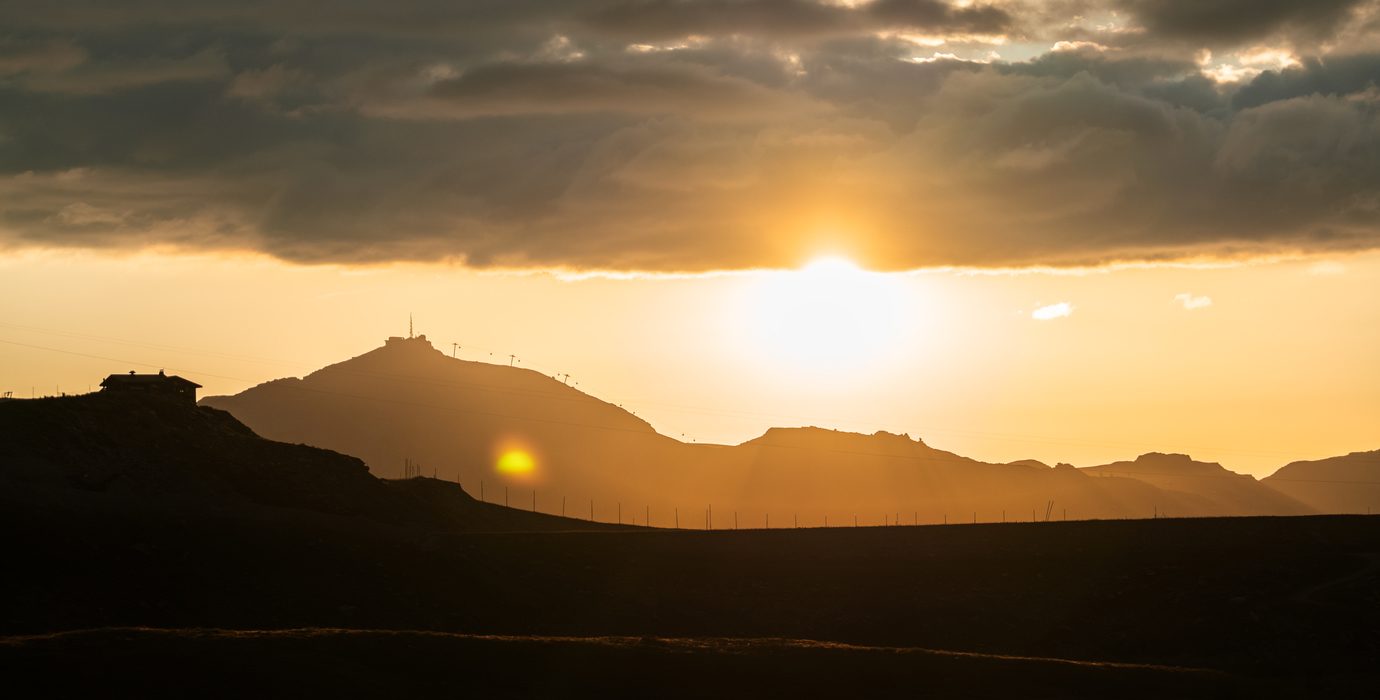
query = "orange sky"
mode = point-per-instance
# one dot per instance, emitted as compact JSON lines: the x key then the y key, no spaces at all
{"x":238,"y":192}
{"x":1252,"y":365}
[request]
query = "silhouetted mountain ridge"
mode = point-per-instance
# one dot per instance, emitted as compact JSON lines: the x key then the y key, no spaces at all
{"x":142,"y":449}
{"x":457,"y":411}
{"x":409,"y":363}
{"x":1204,"y":482}
{"x":817,"y":438}
{"x":407,"y":400}
{"x":1346,"y":484}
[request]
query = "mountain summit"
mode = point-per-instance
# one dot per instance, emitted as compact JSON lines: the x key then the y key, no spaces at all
{"x":1208,"y":484}
{"x":407,"y":403}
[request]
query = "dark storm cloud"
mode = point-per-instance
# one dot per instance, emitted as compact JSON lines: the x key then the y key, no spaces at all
{"x":564,"y":88}
{"x":1341,"y":75}
{"x":679,"y":18}
{"x":663,"y":134}
{"x":1127,"y":71}
{"x":1236,"y":20}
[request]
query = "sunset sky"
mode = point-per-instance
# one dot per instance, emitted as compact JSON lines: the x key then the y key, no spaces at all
{"x":1071,"y":230}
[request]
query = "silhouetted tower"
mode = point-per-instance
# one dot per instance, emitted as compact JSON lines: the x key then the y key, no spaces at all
{"x":409,"y":325}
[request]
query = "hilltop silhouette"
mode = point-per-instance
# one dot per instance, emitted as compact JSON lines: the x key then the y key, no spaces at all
{"x":135,"y":450}
{"x":408,"y":401}
{"x":1205,"y":485}
{"x":1346,"y":484}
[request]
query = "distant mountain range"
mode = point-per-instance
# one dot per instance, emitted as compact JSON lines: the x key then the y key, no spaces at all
{"x":1347,"y":484}
{"x":407,"y":402}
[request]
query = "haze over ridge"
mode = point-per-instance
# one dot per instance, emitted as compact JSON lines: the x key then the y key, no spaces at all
{"x":408,"y":401}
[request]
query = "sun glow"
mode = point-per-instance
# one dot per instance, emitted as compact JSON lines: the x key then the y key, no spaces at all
{"x":830,"y":317}
{"x":516,"y":462}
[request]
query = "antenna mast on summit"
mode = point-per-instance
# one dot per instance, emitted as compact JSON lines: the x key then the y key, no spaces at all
{"x":409,"y":325}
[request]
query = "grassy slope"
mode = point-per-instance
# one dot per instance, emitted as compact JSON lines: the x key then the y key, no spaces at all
{"x":1254,"y":595}
{"x":300,"y":663}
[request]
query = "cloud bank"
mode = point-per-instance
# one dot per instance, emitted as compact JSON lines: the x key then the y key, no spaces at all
{"x":679,"y":135}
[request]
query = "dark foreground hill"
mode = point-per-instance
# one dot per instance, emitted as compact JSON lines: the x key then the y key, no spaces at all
{"x":378,"y":663}
{"x":407,"y":400}
{"x":1283,"y":602}
{"x":119,"y":514}
{"x":114,"y":451}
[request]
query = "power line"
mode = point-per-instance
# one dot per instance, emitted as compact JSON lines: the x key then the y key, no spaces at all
{"x":955,"y":459}
{"x":774,"y":417}
{"x":156,"y":346}
{"x":453,"y":409}
{"x":114,"y":359}
{"x":1234,"y":475}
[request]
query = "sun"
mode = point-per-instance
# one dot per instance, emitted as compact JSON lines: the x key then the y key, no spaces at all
{"x":830,"y":317}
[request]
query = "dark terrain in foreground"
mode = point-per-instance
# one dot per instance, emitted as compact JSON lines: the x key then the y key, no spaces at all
{"x":124,"y":522}
{"x":378,"y":663}
{"x":1268,"y":602}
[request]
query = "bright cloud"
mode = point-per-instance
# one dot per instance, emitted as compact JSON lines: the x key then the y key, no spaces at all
{"x":1191,"y":302}
{"x":1053,"y":311}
